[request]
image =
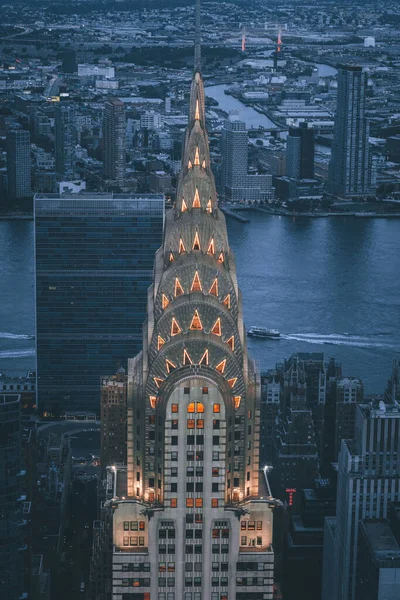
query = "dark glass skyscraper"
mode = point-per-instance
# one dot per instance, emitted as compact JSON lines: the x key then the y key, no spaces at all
{"x":94,"y":263}
{"x":300,"y":152}
{"x":19,"y":163}
{"x":65,"y":140}
{"x":114,"y":127}
{"x":350,"y":172}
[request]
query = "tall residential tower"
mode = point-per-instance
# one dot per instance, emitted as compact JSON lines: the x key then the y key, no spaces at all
{"x":114,"y":132}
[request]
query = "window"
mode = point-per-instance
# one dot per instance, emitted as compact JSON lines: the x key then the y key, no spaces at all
{"x":215,"y":440}
{"x":162,"y":549}
{"x":216,"y":423}
{"x":215,"y":455}
{"x":189,"y":486}
{"x":126,"y":525}
{"x":198,"y":549}
{"x":215,"y":472}
{"x":243,"y":540}
{"x":199,"y":502}
{"x":174,"y":471}
{"x":189,"y":519}
{"x":214,"y":502}
{"x":174,"y":440}
{"x":198,"y":518}
{"x":190,"y":423}
{"x":215,"y":566}
{"x":175,"y":408}
{"x":174,"y":456}
{"x":243,"y":525}
{"x":216,"y":408}
{"x":199,"y":486}
{"x":216,"y":533}
{"x":251,"y":525}
{"x":214,"y":487}
{"x":197,"y":581}
{"x":200,"y":424}
{"x":142,"y":526}
{"x":162,"y":567}
{"x":174,"y":487}
{"x":126,"y":541}
{"x":189,"y":471}
{"x":186,"y":390}
{"x":190,"y":440}
{"x":174,"y":502}
{"x":198,"y":534}
{"x":189,"y":534}
{"x":133,"y":541}
{"x":199,"y":454}
{"x":189,"y":502}
{"x":171,"y":581}
{"x":161,"y":582}
{"x":171,"y":548}
{"x":190,"y":455}
{"x":174,"y":424}
{"x":215,"y":549}
{"x":188,"y":582}
{"x":205,"y":390}
{"x":200,"y":440}
{"x":225,"y":533}
{"x":171,"y":567}
{"x":259,"y":525}
{"x":188,"y":567}
{"x":189,"y":549}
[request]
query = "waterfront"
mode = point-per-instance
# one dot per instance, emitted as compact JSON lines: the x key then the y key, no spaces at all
{"x":250,"y":116}
{"x":329,"y":285}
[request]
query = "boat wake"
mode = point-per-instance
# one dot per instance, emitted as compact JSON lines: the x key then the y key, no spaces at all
{"x":343,"y":339}
{"x":15,"y":336}
{"x":17,"y":353}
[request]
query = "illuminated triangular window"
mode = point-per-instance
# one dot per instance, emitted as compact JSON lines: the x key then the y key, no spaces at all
{"x":153,"y":401}
{"x":216,"y":328}
{"x":236,"y":401}
{"x":204,"y":358}
{"x":160,"y":342}
{"x":158,"y":381}
{"x":214,"y":288}
{"x":171,"y":257}
{"x":190,"y":164}
{"x":221,"y":366}
{"x":186,"y":358}
{"x":196,"y":200}
{"x":209,"y":206}
{"x":164,"y":301}
{"x":181,"y":246}
{"x":197,"y":158}
{"x":196,"y":324}
{"x":204,"y":164}
{"x":179,"y":291}
{"x":196,"y":242}
{"x":231,"y":342}
{"x":232,"y":382}
{"x":184,"y":205}
{"x":227,"y":301}
{"x":196,"y":283}
{"x":197,"y":113}
{"x":169,"y":365}
{"x":221,"y":258}
{"x":211,"y":247}
{"x":175,"y":329}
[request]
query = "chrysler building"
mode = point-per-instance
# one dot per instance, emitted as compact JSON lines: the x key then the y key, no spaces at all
{"x":196,"y":523}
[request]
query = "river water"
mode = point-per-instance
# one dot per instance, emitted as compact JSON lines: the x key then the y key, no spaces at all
{"x":329,"y":285}
{"x":251,"y":117}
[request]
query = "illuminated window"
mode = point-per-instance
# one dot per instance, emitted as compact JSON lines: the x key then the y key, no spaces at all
{"x":197,"y":113}
{"x":164,"y":301}
{"x":221,"y":366}
{"x":232,"y":382}
{"x":189,"y":502}
{"x":186,"y":358}
{"x":216,"y":328}
{"x":217,"y":408}
{"x":158,"y":381}
{"x":175,"y":408}
{"x":236,"y":401}
{"x":195,"y":408}
{"x":204,"y":390}
{"x":190,"y":423}
{"x":175,"y":329}
{"x":203,"y":164}
{"x":160,"y":342}
{"x":190,"y":164}
{"x":209,"y":205}
{"x":259,"y":525}
{"x":162,"y":567}
{"x":221,"y":257}
{"x":204,"y":358}
{"x":196,"y":324}
{"x":214,"y":502}
{"x":211,"y":247}
{"x":196,"y":283}
{"x":171,"y":567}
{"x":169,"y":365}
{"x":198,"y":502}
{"x":214,"y":288}
{"x":197,"y":160}
{"x":196,"y":242}
{"x":153,"y":400}
{"x":231,"y":342}
{"x":179,"y":291}
{"x":215,"y":472}
{"x":181,"y":246}
{"x":191,"y":408}
{"x":171,"y":257}
{"x":200,"y":423}
{"x":227,"y":301}
{"x":174,"y":502}
{"x":196,"y":200}
{"x":184,"y":205}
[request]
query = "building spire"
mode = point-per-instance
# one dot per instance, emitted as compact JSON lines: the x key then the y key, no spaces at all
{"x":197,"y":46}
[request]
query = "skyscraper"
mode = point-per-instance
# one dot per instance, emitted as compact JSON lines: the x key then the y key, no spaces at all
{"x":197,"y":523}
{"x":368,"y":480}
{"x":65,"y":140}
{"x":19,"y":163}
{"x":94,"y":260}
{"x":113,"y":419}
{"x":114,"y":133}
{"x":300,"y":152}
{"x":349,"y":170}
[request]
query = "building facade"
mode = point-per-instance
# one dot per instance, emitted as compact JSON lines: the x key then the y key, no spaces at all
{"x":19,"y":163}
{"x":65,"y":141}
{"x":94,"y":263}
{"x":113,"y":419}
{"x":300,"y":152}
{"x":114,"y":134}
{"x":350,"y":169}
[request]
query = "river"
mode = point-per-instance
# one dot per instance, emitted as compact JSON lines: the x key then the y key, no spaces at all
{"x":250,"y":116}
{"x":329,"y":285}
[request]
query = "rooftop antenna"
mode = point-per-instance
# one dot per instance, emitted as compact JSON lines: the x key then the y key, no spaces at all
{"x":197,"y":46}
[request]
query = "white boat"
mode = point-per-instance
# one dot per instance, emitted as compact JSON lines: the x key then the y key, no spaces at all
{"x":263,"y":332}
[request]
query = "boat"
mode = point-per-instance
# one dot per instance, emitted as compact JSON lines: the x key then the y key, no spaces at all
{"x":263,"y":332}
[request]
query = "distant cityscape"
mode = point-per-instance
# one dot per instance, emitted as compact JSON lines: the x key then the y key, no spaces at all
{"x":147,"y":456}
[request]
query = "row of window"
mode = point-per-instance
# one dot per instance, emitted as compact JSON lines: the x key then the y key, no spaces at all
{"x":134,"y":525}
{"x":196,"y":407}
{"x":251,"y":525}
{"x":162,"y":549}
{"x":252,"y":581}
{"x":166,"y":582}
{"x":191,"y":440}
{"x":163,"y":567}
{"x":244,"y":541}
{"x":133,"y":541}
{"x":254,"y":566}
{"x":136,"y":567}
{"x":139,"y":582}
